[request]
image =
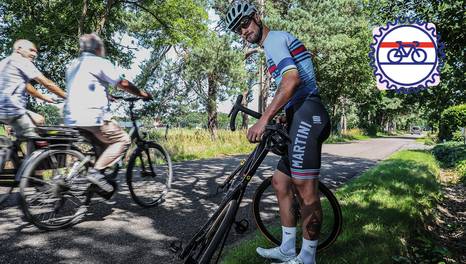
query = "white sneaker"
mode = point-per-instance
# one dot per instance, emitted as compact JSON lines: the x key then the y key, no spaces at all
{"x":295,"y":260}
{"x":274,"y":253}
{"x":98,"y":179}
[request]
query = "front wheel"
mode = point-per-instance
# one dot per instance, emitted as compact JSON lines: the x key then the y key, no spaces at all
{"x":267,"y":215}
{"x":149,"y":174}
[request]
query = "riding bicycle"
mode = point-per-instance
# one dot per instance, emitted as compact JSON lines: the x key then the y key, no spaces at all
{"x":14,"y":149}
{"x":213,"y":234}
{"x":56,"y":193}
{"x":417,"y":54}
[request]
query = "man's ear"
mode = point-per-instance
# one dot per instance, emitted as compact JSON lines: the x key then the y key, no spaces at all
{"x":257,"y":17}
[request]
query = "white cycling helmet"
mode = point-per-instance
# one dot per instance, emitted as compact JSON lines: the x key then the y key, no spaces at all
{"x":237,"y":11}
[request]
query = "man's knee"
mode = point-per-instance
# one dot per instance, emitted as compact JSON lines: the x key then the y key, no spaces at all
{"x":126,"y":140}
{"x":281,"y":183}
{"x":307,"y":189}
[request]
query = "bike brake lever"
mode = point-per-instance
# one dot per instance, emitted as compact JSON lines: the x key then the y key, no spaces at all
{"x":284,"y":134}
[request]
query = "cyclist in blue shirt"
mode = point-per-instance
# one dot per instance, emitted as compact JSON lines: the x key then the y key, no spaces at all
{"x":308,"y":123}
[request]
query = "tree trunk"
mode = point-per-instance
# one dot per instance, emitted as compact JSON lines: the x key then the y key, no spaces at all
{"x":212,"y":123}
{"x":244,"y":123}
{"x":261,"y":87}
{"x":104,"y":17}
{"x":82,"y":18}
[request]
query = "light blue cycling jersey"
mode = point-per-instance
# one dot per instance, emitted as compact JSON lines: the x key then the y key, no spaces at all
{"x":284,"y":52}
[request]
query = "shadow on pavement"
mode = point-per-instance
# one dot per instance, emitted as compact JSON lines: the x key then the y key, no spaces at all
{"x":127,"y":233}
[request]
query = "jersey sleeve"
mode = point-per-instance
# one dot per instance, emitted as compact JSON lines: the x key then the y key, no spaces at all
{"x":28,"y":69}
{"x":277,"y":50}
{"x":110,"y":73}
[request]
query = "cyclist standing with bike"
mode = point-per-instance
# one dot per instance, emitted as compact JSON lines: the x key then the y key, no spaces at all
{"x":87,"y":106}
{"x":16,"y":71}
{"x":308,"y":125}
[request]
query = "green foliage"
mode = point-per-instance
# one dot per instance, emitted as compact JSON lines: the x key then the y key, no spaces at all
{"x":450,"y":153}
{"x":54,"y":27}
{"x":381,"y":209}
{"x":451,"y":120}
{"x":214,"y":70}
{"x":336,"y":33}
{"x":51,"y":113}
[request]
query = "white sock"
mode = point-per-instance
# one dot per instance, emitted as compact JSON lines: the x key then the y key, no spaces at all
{"x":308,"y":251}
{"x":288,"y":245}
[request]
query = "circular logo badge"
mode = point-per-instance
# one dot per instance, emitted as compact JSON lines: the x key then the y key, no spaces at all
{"x":406,"y":57}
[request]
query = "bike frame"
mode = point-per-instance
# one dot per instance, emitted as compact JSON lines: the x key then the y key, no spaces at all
{"x":238,"y":188}
{"x":411,"y":47}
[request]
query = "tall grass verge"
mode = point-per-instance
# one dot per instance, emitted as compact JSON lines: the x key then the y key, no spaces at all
{"x":349,"y":135}
{"x":189,"y":144}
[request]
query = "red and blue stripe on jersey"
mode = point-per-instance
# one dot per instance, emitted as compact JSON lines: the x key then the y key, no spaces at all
{"x":284,"y":52}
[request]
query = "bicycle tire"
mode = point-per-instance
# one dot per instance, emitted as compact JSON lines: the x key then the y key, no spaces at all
{"x":228,"y":215}
{"x":272,"y":232}
{"x":5,"y":192}
{"x":57,"y":196}
{"x":7,"y":179}
{"x":162,"y":164}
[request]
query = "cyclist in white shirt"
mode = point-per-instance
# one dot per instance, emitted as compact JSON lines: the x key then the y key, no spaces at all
{"x":87,"y":107}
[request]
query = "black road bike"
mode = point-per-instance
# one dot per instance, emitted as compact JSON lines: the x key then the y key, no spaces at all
{"x":207,"y":244}
{"x":56,"y":194}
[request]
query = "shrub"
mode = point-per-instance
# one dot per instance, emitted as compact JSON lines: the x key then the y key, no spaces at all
{"x":450,"y":154}
{"x":451,"y":119}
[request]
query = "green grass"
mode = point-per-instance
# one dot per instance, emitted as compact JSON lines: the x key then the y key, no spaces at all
{"x":349,"y":135}
{"x":426,"y":141}
{"x":190,"y":144}
{"x":381,"y":210}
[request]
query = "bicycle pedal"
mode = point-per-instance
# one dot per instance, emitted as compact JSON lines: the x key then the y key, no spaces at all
{"x":176,"y":246}
{"x":241,"y":226}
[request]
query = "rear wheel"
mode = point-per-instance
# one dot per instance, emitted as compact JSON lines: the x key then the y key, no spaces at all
{"x":267,"y":215}
{"x":53,"y":189}
{"x":9,"y":166}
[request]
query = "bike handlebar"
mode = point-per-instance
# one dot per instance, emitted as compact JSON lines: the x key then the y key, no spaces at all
{"x":237,"y":107}
{"x":129,"y":99}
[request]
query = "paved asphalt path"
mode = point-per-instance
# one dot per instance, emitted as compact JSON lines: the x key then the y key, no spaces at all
{"x":125,"y":233}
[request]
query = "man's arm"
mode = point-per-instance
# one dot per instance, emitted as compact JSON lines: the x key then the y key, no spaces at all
{"x":36,"y":93}
{"x":132,"y":89}
{"x":51,"y":86}
{"x":290,"y":81}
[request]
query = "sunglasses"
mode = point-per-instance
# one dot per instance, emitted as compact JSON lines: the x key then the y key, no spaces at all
{"x":244,"y":23}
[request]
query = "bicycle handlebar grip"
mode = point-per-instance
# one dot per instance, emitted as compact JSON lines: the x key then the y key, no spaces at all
{"x":234,"y":112}
{"x":239,"y":100}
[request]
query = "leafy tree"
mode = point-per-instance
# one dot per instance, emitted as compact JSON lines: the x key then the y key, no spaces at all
{"x":214,"y":70}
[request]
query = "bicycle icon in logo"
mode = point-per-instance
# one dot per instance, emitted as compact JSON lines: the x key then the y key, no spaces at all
{"x":406,"y":56}
{"x":396,"y":55}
